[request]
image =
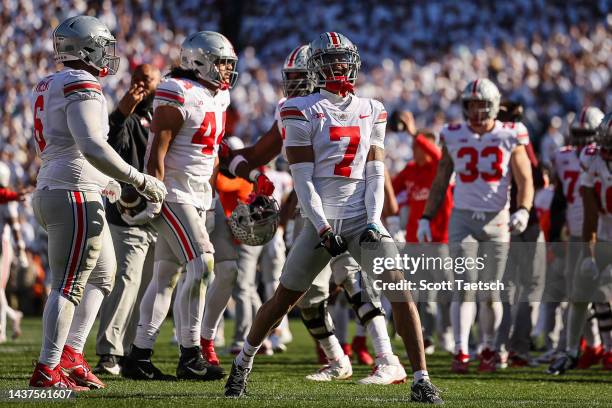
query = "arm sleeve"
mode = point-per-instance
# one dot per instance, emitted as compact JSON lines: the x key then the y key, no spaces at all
{"x":380,"y":125}
{"x":429,"y":147}
{"x":375,"y":190}
{"x":118,"y":135}
{"x":85,"y":126}
{"x":309,"y":199}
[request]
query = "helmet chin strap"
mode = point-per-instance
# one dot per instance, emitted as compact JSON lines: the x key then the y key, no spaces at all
{"x":340,"y":85}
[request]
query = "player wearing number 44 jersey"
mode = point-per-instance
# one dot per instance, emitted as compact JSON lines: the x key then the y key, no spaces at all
{"x":70,"y":129}
{"x":188,"y":124}
{"x":335,"y":146}
{"x":484,"y":153}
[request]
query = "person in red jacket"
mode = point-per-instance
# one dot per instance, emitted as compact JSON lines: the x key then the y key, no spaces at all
{"x":6,"y":195}
{"x":416,"y":179}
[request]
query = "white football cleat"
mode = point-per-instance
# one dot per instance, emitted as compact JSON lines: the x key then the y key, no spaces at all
{"x":335,"y":370}
{"x":388,"y":370}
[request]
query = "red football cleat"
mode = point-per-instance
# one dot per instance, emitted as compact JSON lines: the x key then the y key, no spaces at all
{"x":487,"y":361}
{"x":607,"y":360}
{"x":74,"y":365}
{"x":208,"y":351}
{"x":517,"y":360}
{"x":461,"y":362}
{"x":361,"y":349}
{"x":590,"y":357}
{"x":45,"y":377}
{"x":348,"y":349}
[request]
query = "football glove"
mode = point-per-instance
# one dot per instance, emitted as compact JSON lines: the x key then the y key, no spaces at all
{"x":424,"y":230}
{"x":153,"y":189}
{"x":371,"y":234}
{"x":150,"y":212}
{"x":518,"y":221}
{"x":335,"y":244}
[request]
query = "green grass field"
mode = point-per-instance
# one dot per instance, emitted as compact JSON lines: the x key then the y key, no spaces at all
{"x":279,"y":381}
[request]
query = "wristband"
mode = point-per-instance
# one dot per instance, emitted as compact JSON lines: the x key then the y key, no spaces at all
{"x":254,"y":174}
{"x":235,"y":162}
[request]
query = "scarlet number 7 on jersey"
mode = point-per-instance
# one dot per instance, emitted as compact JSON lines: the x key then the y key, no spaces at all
{"x":352,"y":132}
{"x":205,"y":135}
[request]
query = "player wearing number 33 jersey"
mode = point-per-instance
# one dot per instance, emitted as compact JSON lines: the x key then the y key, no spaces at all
{"x":187,"y":127}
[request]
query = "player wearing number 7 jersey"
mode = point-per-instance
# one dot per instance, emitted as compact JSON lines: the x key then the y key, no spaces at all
{"x":188,"y":125}
{"x":484,"y":153}
{"x":70,"y":129}
{"x":335,"y":146}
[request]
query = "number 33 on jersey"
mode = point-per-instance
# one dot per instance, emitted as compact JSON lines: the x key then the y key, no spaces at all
{"x":482,"y":164}
{"x":340,"y":136}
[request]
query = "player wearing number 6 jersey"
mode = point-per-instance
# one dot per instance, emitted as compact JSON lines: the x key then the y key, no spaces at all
{"x":484,"y":153}
{"x":70,"y":129}
{"x":188,"y":125}
{"x":335,"y":146}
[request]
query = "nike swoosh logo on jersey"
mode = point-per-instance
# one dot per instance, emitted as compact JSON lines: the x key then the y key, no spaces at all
{"x":363,"y":116}
{"x":198,"y":372}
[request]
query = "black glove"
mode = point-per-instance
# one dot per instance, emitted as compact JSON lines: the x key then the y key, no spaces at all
{"x":335,"y":244}
{"x":371,"y":234}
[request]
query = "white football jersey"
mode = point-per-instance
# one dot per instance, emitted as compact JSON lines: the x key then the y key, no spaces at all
{"x":567,"y":167}
{"x":482,"y":164}
{"x":190,"y":159}
{"x":341,"y":136}
{"x":63,"y":165}
{"x":596,"y":172}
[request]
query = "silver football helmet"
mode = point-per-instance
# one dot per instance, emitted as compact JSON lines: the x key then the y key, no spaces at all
{"x":297,"y":79}
{"x":202,"y":51}
{"x":255,"y":223}
{"x":328,"y":50}
{"x":583,"y":130}
{"x":86,"y":39}
{"x":604,"y":133}
{"x":481,"y":89}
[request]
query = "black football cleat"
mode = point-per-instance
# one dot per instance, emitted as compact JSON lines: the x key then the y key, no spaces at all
{"x":424,"y":391}
{"x":138,"y":366}
{"x":192,"y":366}
{"x":236,"y":385}
{"x":561,"y":364}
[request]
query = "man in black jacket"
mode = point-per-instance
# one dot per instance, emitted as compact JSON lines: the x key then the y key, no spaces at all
{"x":129,"y":130}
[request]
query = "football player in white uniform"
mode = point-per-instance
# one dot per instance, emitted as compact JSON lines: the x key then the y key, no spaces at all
{"x":345,"y":271}
{"x":592,"y":280}
{"x":484,"y":154}
{"x":187,"y":128}
{"x":70,"y":130}
{"x":335,"y":146}
{"x":566,"y":162}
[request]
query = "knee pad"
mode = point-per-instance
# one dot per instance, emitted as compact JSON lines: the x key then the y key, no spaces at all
{"x":365,"y":311}
{"x":603,"y":314}
{"x":318,"y":321}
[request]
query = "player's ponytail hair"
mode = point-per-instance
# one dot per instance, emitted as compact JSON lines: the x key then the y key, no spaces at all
{"x":178,"y":72}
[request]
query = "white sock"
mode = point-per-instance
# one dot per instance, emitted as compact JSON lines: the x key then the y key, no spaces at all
{"x":84,"y":317}
{"x":490,"y":317}
{"x":176,"y":310}
{"x":591,"y":332}
{"x":377,"y":328}
{"x":57,"y":318}
{"x":191,"y":300}
{"x":155,"y":303}
{"x":340,"y":317}
{"x":575,"y":323}
{"x":3,"y":312}
{"x":420,"y":375}
{"x":217,"y":296}
{"x":331,"y":347}
{"x":462,"y":319}
{"x":246,"y":356}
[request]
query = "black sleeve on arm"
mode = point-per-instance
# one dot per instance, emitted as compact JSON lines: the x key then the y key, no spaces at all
{"x":118,"y":135}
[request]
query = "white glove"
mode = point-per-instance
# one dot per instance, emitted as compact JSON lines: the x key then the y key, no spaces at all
{"x":589,"y":269}
{"x":112,"y":191}
{"x":518,"y":221}
{"x":424,"y":231}
{"x":151,"y":211}
{"x":23,"y":259}
{"x":153,"y":189}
